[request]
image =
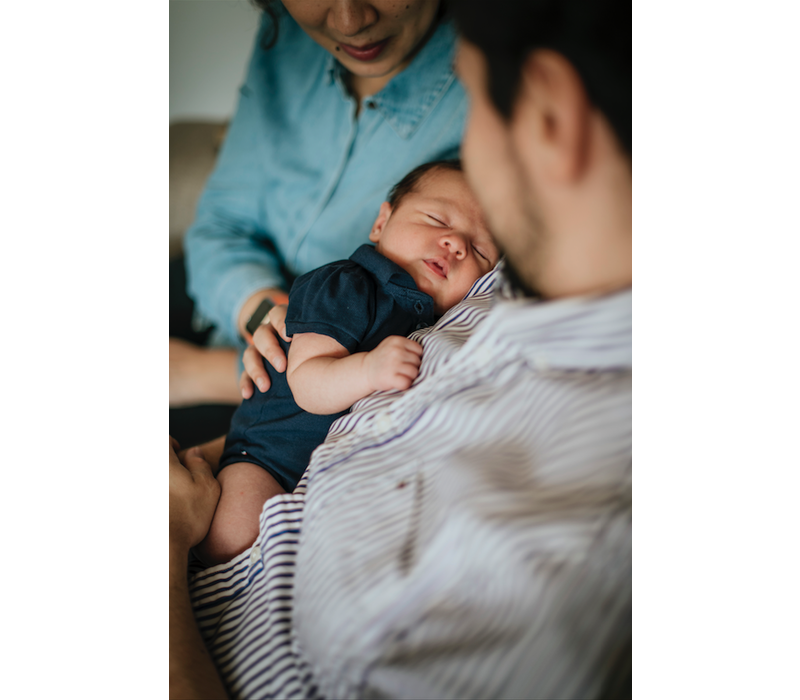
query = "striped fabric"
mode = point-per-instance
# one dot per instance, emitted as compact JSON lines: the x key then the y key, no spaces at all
{"x":467,"y":538}
{"x":244,"y":609}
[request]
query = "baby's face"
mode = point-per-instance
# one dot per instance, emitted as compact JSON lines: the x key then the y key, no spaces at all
{"x":437,"y":234}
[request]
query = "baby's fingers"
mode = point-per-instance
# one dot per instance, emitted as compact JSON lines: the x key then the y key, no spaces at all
{"x":411,"y":358}
{"x":413,"y":346}
{"x":409,"y":370}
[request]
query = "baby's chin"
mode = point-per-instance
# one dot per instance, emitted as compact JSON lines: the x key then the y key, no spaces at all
{"x":441,"y":302}
{"x":444,"y":302}
{"x":441,"y":306}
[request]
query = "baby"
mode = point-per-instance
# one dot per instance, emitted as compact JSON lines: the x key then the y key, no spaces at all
{"x":348,"y":322}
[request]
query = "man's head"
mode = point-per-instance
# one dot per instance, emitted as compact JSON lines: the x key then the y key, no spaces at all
{"x":548,"y":141}
{"x":433,"y":228}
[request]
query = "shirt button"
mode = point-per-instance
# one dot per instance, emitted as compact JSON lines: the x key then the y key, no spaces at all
{"x":418,"y":307}
{"x":371,"y":105}
{"x":383,"y":423}
{"x":540,"y":362}
{"x":255,"y":554}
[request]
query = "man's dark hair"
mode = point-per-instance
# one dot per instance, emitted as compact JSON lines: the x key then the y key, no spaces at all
{"x":593,"y":35}
{"x":409,"y":183}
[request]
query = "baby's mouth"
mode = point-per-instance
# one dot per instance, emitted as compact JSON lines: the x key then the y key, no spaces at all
{"x":439,"y":267}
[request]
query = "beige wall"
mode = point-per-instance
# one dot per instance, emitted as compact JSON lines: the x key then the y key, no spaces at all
{"x":209,"y":46}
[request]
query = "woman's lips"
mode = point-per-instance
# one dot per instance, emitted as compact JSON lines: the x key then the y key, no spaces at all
{"x":368,"y":52}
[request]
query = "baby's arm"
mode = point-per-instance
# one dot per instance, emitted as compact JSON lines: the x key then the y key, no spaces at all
{"x":325,"y":378}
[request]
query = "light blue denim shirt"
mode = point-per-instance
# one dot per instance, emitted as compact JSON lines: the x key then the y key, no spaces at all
{"x":300,"y":179}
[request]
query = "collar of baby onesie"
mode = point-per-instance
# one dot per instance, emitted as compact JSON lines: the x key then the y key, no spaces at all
{"x":382,"y":268}
{"x":410,"y":96}
{"x":393,"y":278}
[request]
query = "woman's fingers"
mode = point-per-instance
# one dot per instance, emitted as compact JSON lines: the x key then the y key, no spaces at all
{"x":265,"y":342}
{"x":254,"y":370}
{"x":245,"y":385}
{"x":277,"y":319}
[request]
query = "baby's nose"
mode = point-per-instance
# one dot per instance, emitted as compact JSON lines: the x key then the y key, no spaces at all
{"x":455,"y":244}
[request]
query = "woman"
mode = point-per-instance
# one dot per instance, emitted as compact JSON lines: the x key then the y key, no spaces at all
{"x":348,"y":97}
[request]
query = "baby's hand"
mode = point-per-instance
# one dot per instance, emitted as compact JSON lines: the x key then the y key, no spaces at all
{"x":394,"y":364}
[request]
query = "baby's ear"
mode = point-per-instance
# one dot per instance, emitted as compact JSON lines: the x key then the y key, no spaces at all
{"x":380,"y":222}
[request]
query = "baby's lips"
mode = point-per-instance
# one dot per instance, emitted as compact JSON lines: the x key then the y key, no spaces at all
{"x":440,"y":264}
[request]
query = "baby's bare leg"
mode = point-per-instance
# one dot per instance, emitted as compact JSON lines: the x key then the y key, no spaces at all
{"x":245,"y":488}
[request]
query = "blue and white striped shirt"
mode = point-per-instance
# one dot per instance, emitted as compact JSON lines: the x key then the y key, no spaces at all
{"x":467,"y":538}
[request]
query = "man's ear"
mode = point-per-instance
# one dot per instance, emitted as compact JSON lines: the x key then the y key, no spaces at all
{"x":553,"y":110}
{"x":380,"y":222}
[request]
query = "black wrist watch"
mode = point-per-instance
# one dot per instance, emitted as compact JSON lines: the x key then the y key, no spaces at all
{"x":259,"y":315}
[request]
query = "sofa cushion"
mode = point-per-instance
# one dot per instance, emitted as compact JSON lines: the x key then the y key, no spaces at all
{"x":193,"y":148}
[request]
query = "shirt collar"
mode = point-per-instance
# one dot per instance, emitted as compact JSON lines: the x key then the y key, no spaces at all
{"x":333,"y":69}
{"x":578,"y":333}
{"x":410,"y":96}
{"x":382,"y":268}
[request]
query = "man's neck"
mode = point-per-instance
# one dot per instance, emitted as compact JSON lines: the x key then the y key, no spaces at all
{"x":588,"y":249}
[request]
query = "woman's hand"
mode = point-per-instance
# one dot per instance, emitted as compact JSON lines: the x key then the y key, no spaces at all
{"x":265,"y":345}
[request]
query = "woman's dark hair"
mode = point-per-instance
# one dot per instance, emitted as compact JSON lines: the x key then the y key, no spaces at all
{"x":593,"y":35}
{"x":409,"y":183}
{"x":270,"y":39}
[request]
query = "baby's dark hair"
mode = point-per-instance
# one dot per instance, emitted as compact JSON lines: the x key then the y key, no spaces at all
{"x":409,"y":183}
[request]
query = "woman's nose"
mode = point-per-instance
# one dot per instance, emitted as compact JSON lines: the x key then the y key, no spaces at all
{"x":349,"y":17}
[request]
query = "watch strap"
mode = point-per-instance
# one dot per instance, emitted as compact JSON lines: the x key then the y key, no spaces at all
{"x":259,"y":315}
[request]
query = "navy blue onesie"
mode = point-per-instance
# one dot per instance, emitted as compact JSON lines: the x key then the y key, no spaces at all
{"x":358,"y":302}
